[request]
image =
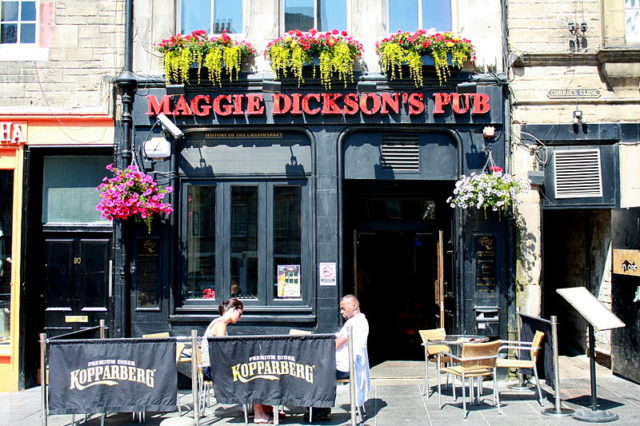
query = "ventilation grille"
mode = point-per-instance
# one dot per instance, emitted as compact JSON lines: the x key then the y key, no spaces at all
{"x":577,"y":174}
{"x":401,"y":153}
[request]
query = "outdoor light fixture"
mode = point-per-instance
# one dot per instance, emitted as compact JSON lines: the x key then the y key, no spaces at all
{"x":157,"y":148}
{"x":169,"y":126}
{"x":578,"y":117}
{"x":572,"y":27}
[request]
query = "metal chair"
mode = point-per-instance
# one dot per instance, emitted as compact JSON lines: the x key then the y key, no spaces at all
{"x":534,"y":349}
{"x":478,"y":360}
{"x":431,"y":351}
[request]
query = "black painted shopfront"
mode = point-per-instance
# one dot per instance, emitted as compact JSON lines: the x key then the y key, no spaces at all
{"x":290,"y":200}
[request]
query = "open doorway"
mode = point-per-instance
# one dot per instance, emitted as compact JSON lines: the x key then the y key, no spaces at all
{"x":396,"y":262}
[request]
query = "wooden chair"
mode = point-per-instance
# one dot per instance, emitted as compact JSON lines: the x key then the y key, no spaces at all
{"x":478,"y":360}
{"x":534,"y":349}
{"x":431,"y":351}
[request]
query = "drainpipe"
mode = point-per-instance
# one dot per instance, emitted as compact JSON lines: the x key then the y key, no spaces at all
{"x":126,"y":82}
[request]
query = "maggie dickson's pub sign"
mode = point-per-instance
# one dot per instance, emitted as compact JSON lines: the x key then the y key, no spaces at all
{"x":254,"y":104}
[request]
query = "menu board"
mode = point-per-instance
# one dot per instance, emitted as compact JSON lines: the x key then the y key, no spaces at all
{"x":486,"y":270}
{"x":289,"y":281}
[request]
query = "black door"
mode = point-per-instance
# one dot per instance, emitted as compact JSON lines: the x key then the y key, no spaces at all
{"x":77,"y":275}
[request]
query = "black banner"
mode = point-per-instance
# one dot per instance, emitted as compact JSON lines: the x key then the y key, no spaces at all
{"x":275,"y":370}
{"x":99,"y":376}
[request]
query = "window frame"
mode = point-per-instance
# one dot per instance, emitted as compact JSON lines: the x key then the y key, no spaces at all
{"x":315,"y":16}
{"x":265,"y":288}
{"x":245,"y":15}
{"x":453,"y":5}
{"x":19,"y":21}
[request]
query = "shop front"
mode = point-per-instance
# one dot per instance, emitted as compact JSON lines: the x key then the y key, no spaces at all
{"x":289,"y":200}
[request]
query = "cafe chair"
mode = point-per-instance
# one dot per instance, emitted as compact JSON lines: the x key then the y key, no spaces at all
{"x":533,"y":348}
{"x":431,"y":351}
{"x":205,"y":386}
{"x":477,"y":361}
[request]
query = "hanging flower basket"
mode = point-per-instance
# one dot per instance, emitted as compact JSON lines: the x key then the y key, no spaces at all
{"x":132,"y":193}
{"x":219,"y":55}
{"x":334,"y":51}
{"x":445,"y":50}
{"x":494,"y":190}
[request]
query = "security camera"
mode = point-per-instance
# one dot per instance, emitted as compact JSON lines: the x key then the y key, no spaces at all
{"x":168,"y":126}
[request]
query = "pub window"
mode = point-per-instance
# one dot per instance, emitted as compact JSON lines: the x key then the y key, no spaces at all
{"x":69,"y":188}
{"x":201,"y":242}
{"x":259,"y":248}
{"x":323,"y":15}
{"x":214,"y":16}
{"x":632,"y":21}
{"x":18,"y":22}
{"x":411,"y":15}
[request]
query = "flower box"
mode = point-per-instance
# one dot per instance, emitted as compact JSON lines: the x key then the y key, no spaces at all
{"x":444,"y":51}
{"x":333,"y":53}
{"x":218,"y":56}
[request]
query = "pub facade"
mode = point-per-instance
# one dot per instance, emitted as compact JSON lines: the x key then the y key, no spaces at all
{"x":289,"y":195}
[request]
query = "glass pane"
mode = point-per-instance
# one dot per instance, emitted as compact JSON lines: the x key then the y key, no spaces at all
{"x":244,"y":240}
{"x":436,"y":14}
{"x":94,"y":263}
{"x":59,"y":291}
{"x":196,"y":15}
{"x":147,"y":273}
{"x":298,"y":15}
{"x":201,"y":242}
{"x":287,"y":241}
{"x":69,"y":190}
{"x":9,"y":33}
{"x":28,"y":12}
{"x":227,"y":16}
{"x":27,"y":33}
{"x":6,"y":222}
{"x":10,"y":10}
{"x":332,"y":15}
{"x":403,"y":15}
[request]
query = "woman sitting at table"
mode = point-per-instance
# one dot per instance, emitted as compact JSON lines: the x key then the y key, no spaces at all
{"x":230,"y":312}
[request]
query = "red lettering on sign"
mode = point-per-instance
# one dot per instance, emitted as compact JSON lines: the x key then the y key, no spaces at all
{"x":198,"y":109}
{"x":390,"y":101}
{"x":351,"y":104}
{"x":220,"y":109}
{"x":281,"y":103}
{"x":296,"y":104}
{"x":441,"y":99}
{"x":182,"y":107}
{"x":375,"y":101}
{"x":155,"y":108}
{"x":237,"y":105}
{"x":460,"y":102}
{"x":12,"y":133}
{"x":416,"y":103}
{"x":305,"y":103}
{"x":329,"y":105}
{"x":481,"y":103}
{"x":255,"y":105}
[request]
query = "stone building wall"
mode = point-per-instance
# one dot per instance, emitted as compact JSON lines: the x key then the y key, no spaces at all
{"x":78,"y":53}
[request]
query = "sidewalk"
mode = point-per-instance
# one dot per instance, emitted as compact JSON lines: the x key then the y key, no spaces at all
{"x":396,"y":398}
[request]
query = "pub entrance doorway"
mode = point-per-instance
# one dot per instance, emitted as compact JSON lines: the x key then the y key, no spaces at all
{"x":397,"y":263}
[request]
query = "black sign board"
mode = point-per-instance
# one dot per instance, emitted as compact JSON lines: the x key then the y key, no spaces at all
{"x":297,"y":370}
{"x":486,"y":270}
{"x":100,"y":376}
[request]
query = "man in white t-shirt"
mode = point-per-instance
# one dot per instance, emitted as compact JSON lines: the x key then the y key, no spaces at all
{"x":350,"y":310}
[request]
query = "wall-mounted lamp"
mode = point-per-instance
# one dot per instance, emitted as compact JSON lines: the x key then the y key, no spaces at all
{"x":157,"y":149}
{"x":578,"y":117}
{"x":489,"y":132}
{"x":175,"y":89}
{"x":467,"y":87}
{"x":169,"y":126}
{"x":572,"y":27}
